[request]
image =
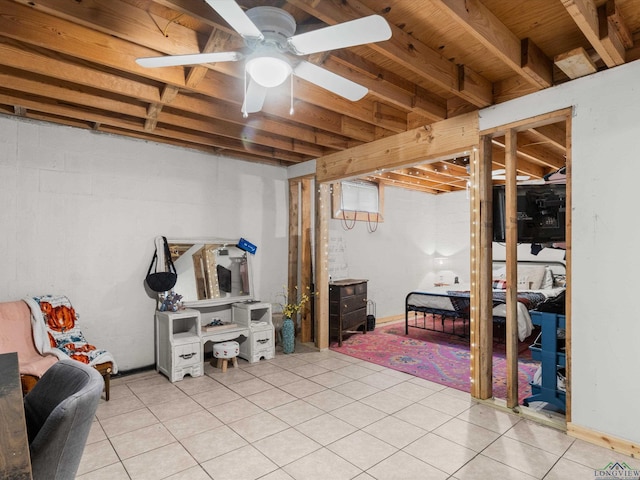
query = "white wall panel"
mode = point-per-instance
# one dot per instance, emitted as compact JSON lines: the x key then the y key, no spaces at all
{"x":80,"y":212}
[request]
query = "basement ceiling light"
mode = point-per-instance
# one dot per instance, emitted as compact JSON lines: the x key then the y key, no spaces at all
{"x":269,"y":70}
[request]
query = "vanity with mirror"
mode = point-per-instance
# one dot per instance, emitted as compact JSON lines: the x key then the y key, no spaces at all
{"x":211,"y":271}
{"x":214,"y":274}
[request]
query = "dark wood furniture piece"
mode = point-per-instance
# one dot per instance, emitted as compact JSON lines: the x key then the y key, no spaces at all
{"x":347,"y":307}
{"x":15,"y":462}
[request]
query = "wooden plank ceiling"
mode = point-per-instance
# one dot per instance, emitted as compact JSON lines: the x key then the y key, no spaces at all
{"x":73,"y":63}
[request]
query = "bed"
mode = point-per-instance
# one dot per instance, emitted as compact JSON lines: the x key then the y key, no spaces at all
{"x":446,"y":309}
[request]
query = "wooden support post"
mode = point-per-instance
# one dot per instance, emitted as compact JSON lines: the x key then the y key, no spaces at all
{"x":294,"y":237}
{"x":511,"y":341}
{"x":306,"y":198}
{"x":323,"y":212}
{"x":568,"y":269}
{"x":482,"y":281}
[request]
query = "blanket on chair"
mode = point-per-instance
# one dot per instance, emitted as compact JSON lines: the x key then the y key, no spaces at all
{"x":55,"y":327}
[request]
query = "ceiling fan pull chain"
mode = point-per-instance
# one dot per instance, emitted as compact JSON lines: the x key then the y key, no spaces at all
{"x":244,"y":104}
{"x":291,"y":95}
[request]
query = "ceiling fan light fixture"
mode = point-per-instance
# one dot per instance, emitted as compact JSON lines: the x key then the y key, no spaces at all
{"x":269,"y":70}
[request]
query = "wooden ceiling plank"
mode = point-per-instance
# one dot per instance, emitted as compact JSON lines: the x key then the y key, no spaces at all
{"x":130,"y":23}
{"x":416,"y":188}
{"x":510,"y":88}
{"x":388,"y":115}
{"x":383,"y":90}
{"x":208,"y":125}
{"x":535,"y":153}
{"x":554,"y":134}
{"x":246,"y":134}
{"x":401,"y":47}
{"x":610,"y":37}
{"x":440,"y":139}
{"x":169,"y":93}
{"x":42,"y":89}
{"x":388,"y":86}
{"x":536,"y":64}
{"x":618,"y":23}
{"x":400,"y":181}
{"x":62,"y":70}
{"x":217,"y":42}
{"x":473,"y":86}
{"x":485,"y":27}
{"x":586,"y":15}
{"x":152,"y":116}
{"x":575,"y":63}
{"x":78,"y":41}
{"x":39,"y":62}
{"x":37,"y":28}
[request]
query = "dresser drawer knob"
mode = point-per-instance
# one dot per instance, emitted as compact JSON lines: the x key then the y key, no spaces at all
{"x":187,"y":356}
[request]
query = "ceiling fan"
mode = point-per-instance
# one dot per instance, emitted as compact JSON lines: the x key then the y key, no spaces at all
{"x":269,"y":33}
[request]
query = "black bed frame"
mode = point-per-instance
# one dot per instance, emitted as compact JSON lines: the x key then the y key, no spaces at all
{"x":460,"y":307}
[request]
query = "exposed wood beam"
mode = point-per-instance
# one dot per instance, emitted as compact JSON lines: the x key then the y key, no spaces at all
{"x":610,"y":37}
{"x":535,"y":153}
{"x":398,"y":178}
{"x":591,"y":20}
{"x":386,"y":85}
{"x":440,"y":139}
{"x":510,"y":88}
{"x":617,"y":22}
{"x":575,"y":63}
{"x":60,"y":70}
{"x":527,"y":60}
{"x":77,"y":41}
{"x":406,"y":50}
{"x":554,"y":133}
{"x":88,"y":101}
{"x":536,"y":64}
{"x":89,"y":115}
{"x":217,"y":42}
{"x":169,"y":93}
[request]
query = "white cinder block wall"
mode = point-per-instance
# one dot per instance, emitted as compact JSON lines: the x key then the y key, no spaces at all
{"x":80,"y":211}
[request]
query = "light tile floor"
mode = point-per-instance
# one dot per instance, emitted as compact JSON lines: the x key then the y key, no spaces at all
{"x":320,"y":415}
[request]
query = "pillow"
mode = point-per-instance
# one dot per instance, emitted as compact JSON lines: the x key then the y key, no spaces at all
{"x":547,"y":279}
{"x":530,"y":277}
{"x":559,"y":280}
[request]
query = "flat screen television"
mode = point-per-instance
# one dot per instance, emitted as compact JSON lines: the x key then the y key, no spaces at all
{"x":541,"y":213}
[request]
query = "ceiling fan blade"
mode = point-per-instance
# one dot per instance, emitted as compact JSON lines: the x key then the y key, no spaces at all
{"x":330,"y":81}
{"x":191,"y":59}
{"x":235,"y":16}
{"x":373,"y":28}
{"x":254,"y":98}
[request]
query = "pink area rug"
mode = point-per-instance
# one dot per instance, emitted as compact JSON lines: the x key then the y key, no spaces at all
{"x":440,"y":358}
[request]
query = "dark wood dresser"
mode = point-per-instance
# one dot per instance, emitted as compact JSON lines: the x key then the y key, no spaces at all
{"x":347,"y":307}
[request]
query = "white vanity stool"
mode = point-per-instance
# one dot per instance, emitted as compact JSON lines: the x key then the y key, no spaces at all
{"x":225,"y":351}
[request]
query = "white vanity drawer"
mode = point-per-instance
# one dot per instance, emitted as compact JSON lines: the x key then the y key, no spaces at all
{"x":186,"y":354}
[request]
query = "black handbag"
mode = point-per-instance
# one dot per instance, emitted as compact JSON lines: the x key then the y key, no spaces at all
{"x":162,"y":281}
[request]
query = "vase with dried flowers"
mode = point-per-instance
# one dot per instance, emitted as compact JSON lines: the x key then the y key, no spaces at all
{"x":290,"y":309}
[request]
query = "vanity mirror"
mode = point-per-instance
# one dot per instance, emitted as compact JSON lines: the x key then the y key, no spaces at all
{"x":211,"y":271}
